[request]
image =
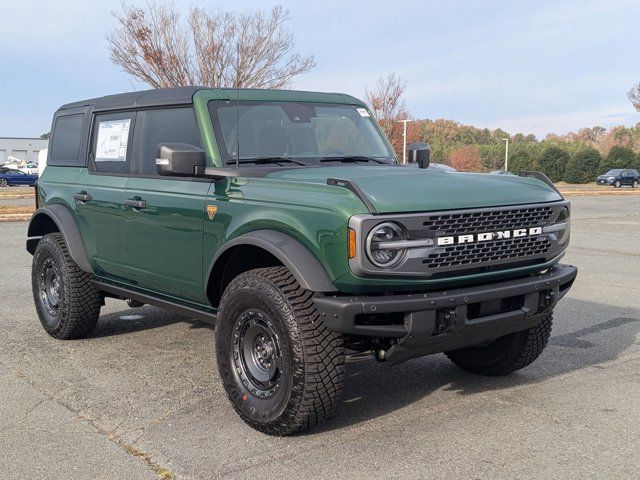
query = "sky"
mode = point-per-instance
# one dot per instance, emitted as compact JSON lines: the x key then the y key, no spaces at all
{"x":523,"y":66}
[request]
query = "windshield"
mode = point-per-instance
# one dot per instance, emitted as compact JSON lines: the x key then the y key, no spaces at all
{"x":614,"y":172}
{"x":301,"y":132}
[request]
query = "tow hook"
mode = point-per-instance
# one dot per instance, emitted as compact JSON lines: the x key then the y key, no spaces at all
{"x":445,"y":320}
{"x":134,"y":303}
{"x":381,"y":355}
{"x":547,"y":299}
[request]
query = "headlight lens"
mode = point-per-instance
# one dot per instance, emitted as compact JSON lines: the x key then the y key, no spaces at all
{"x":379,"y":252}
{"x":563,"y":233}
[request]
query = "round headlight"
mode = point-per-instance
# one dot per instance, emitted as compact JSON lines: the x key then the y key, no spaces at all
{"x":563,"y":219}
{"x":380,"y":249}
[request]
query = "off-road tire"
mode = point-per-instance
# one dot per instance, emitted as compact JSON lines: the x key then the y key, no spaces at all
{"x":312,"y":357}
{"x":507,"y":354}
{"x":79,"y":301}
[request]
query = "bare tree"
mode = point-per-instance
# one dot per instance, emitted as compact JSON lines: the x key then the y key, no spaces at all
{"x":386,"y":101}
{"x":634,"y":96}
{"x":212,"y":48}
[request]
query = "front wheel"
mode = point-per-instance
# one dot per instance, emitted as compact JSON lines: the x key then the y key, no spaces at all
{"x":635,"y":184}
{"x":3,"y":182}
{"x":281,"y":367}
{"x":506,"y":354}
{"x":617,"y":184}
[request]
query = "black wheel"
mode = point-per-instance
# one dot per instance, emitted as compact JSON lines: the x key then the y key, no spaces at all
{"x":66,"y":300}
{"x":635,"y":184}
{"x":282,"y":368}
{"x":3,"y":182}
{"x":507,"y":354}
{"x":617,"y":184}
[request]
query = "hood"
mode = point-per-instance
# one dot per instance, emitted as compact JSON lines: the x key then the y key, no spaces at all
{"x":395,"y":189}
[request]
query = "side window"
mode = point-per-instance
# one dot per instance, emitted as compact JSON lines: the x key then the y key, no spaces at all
{"x":65,"y":140}
{"x":110,"y":143}
{"x":167,"y":125}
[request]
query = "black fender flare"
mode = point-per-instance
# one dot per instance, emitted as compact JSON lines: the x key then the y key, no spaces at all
{"x":309,"y":272}
{"x":66,"y":225}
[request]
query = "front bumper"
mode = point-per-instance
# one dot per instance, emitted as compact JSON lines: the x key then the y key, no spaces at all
{"x":424,"y":323}
{"x":604,"y":181}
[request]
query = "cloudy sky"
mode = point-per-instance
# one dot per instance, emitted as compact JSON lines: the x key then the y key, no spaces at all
{"x":524,"y":66}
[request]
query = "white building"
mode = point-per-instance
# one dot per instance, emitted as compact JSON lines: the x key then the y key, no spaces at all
{"x":25,"y":149}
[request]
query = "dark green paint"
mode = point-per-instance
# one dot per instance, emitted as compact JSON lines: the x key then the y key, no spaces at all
{"x":167,"y":249}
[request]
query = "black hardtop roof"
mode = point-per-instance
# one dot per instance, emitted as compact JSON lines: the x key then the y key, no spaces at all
{"x":144,"y":98}
{"x":184,"y":96}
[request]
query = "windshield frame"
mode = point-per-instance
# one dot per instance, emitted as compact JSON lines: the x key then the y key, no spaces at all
{"x":308,"y":161}
{"x":614,"y":171}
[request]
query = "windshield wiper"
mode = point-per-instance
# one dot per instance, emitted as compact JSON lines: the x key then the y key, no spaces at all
{"x":351,"y":159}
{"x":265,"y":160}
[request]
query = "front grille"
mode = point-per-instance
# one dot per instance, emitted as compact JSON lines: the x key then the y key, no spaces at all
{"x":488,"y":220}
{"x":434,"y":256}
{"x":490,"y":251}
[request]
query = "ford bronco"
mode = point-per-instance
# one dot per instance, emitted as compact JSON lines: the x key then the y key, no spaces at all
{"x":286,"y":219}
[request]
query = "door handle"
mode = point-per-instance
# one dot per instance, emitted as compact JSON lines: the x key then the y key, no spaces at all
{"x":135,"y":203}
{"x":83,"y":197}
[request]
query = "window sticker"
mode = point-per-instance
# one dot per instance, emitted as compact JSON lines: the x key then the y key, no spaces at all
{"x":113,"y":136}
{"x":363,"y":112}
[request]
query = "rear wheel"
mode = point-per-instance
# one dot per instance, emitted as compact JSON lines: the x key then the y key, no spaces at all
{"x":507,"y":354}
{"x":282,"y":368}
{"x":67,"y":302}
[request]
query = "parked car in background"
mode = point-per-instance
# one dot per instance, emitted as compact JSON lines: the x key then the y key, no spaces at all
{"x":30,"y":168}
{"x":620,"y":176}
{"x":10,"y":177}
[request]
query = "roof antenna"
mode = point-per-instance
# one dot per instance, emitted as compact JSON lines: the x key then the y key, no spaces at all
{"x":237,"y":108}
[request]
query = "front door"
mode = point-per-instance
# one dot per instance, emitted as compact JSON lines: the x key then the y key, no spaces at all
{"x":164,"y":215}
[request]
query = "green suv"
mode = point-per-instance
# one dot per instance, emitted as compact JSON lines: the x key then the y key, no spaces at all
{"x":285,"y":219}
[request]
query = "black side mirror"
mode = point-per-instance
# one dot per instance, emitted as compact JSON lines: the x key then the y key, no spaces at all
{"x":179,"y":159}
{"x":419,"y":153}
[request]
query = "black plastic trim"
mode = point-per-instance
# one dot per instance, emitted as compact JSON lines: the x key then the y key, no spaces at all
{"x":309,"y":272}
{"x":539,"y":176}
{"x":65,"y":221}
{"x":357,"y":191}
{"x":171,"y":306}
{"x":416,"y":334}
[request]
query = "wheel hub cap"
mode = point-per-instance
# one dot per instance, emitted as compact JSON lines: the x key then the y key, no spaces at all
{"x":49,"y":286}
{"x":257,"y":354}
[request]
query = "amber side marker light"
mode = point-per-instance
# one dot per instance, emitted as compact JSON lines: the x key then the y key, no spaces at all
{"x":352,"y":243}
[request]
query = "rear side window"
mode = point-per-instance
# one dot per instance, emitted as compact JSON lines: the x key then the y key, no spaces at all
{"x":167,"y":125}
{"x":110,"y":143}
{"x":66,"y":140}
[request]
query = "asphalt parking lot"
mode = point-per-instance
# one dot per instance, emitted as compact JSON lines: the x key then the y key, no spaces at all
{"x":141,"y":398}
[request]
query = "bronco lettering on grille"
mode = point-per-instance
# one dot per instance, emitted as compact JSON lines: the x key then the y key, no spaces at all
{"x":485,"y":237}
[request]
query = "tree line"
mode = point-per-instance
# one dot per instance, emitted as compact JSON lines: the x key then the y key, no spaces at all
{"x":574,"y":157}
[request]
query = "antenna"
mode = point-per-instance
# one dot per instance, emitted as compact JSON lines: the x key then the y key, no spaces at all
{"x":237,"y":108}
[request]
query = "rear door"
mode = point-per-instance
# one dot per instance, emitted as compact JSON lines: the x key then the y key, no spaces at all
{"x":163,"y":246}
{"x":627,"y":177}
{"x":100,"y":192}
